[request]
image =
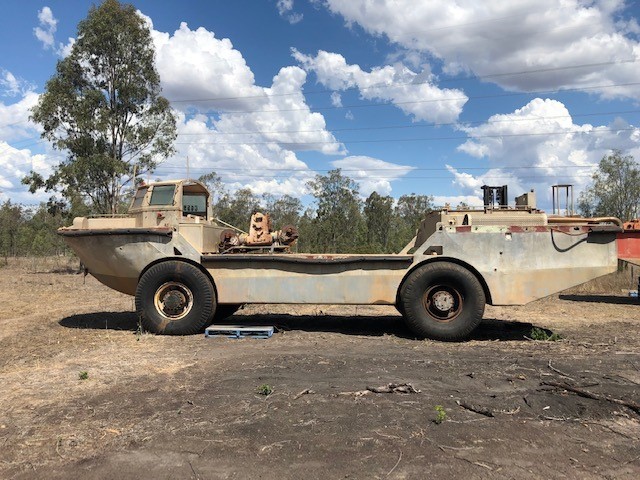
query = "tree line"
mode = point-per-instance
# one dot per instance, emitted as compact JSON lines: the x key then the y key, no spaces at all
{"x":338,"y":221}
{"x":30,"y":231}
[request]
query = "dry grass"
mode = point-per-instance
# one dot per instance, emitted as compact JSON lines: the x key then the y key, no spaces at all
{"x":615,"y":283}
{"x":54,"y":264}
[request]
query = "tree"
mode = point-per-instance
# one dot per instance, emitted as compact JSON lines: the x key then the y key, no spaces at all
{"x":338,"y":224}
{"x":615,"y":190}
{"x":11,"y":221}
{"x":237,"y":209}
{"x":378,"y":214}
{"x":218,"y":191}
{"x":409,"y":212}
{"x":284,"y":210}
{"x":103,"y":107}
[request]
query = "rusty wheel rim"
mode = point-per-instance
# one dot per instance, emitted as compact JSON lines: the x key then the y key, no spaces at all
{"x":173,"y":300}
{"x":443,"y":303}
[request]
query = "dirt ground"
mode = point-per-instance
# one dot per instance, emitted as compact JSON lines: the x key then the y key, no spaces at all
{"x":84,"y":394}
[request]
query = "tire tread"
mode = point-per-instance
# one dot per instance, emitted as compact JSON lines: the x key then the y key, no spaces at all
{"x":419,"y":320}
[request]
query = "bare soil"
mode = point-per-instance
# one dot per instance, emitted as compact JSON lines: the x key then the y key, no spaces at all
{"x":188,"y":407}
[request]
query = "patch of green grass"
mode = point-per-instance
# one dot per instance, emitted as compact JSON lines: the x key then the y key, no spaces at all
{"x":441,"y":414}
{"x":265,"y":390}
{"x":139,"y":330}
{"x":541,"y":335}
{"x":83,"y":375}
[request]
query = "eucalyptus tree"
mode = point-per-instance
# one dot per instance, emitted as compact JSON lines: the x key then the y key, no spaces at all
{"x":615,"y":190}
{"x":103,"y":108}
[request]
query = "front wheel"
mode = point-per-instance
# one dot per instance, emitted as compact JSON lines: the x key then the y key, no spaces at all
{"x":443,"y":301}
{"x":175,"y":298}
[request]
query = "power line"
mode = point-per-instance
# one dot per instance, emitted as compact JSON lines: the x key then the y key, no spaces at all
{"x":430,"y":177}
{"x":421,"y":139}
{"x":412,"y":83}
{"x":466,"y":98}
{"x":505,"y":177}
{"x":430,"y":125}
{"x":14,"y":123}
{"x":452,"y":99}
{"x":381,"y":169}
{"x":388,"y":127}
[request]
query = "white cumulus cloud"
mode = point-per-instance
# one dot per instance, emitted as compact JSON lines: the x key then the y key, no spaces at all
{"x":10,"y":86}
{"x":371,"y":174}
{"x":414,"y":93}
{"x":14,"y":118}
{"x":15,"y":163}
{"x":45,"y":32}
{"x":453,"y":201}
{"x":285,"y":9}
{"x":491,"y":37}
{"x":248,"y":133}
{"x":540,"y":145}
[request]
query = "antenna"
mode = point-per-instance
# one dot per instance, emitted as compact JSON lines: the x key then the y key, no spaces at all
{"x":188,"y":176}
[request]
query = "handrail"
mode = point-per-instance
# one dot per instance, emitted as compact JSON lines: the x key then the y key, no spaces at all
{"x":582,"y":220}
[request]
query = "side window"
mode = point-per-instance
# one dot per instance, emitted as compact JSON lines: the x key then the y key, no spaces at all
{"x":194,"y":204}
{"x":137,"y":200}
{"x":162,"y":195}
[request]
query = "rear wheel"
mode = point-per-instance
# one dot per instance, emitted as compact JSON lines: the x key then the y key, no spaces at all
{"x":175,"y":298}
{"x":443,"y":301}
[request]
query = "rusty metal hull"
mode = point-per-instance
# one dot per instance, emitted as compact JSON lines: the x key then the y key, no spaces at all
{"x":315,"y":279}
{"x":522,"y":264}
{"x":516,"y":264}
{"x":116,"y":258}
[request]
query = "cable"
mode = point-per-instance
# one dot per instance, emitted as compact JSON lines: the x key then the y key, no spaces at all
{"x":501,"y":135}
{"x":430,"y":125}
{"x":389,"y":169}
{"x":476,"y":77}
{"x":388,"y":177}
{"x":466,"y":98}
{"x":14,"y":123}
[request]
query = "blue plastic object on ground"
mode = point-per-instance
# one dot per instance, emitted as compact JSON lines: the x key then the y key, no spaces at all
{"x":237,"y":331}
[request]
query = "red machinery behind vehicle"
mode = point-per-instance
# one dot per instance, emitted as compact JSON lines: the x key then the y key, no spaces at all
{"x":629,"y":244}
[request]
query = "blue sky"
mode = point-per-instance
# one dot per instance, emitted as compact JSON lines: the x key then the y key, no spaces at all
{"x":434,"y":97}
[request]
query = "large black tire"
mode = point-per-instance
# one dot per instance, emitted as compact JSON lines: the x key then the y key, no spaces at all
{"x":175,"y":298}
{"x":443,"y":301}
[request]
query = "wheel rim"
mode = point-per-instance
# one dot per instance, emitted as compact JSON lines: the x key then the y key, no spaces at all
{"x":442,"y":302}
{"x":173,"y":300}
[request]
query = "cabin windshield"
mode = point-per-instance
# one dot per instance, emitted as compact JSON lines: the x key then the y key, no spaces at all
{"x":162,"y":195}
{"x":137,"y":200}
{"x":194,"y":204}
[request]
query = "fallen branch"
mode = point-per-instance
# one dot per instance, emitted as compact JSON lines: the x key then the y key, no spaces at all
{"x":405,"y":388}
{"x":306,"y":391}
{"x":397,"y":463}
{"x":559,"y":372}
{"x":479,"y":464}
{"x":474,"y":408}
{"x":394,"y":388}
{"x":595,"y":396}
